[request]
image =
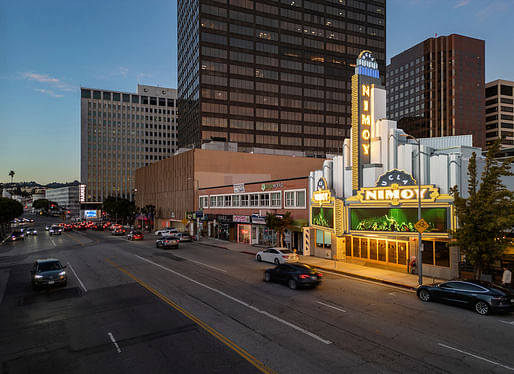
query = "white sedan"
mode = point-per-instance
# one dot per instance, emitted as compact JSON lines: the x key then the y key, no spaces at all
{"x":166,"y":231}
{"x":277,"y":255}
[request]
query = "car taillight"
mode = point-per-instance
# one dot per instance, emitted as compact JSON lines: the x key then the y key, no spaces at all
{"x":320,"y":274}
{"x":284,"y":256}
{"x":303,"y":276}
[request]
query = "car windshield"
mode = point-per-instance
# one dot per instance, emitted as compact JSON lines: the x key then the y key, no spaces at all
{"x":302,"y":266}
{"x":49,"y":266}
{"x":286,"y":251}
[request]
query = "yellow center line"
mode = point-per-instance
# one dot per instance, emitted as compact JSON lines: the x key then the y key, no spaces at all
{"x":73,"y":238}
{"x":240,"y":351}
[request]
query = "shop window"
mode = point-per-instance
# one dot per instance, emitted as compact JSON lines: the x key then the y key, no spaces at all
{"x":373,"y":254}
{"x":402,"y":253}
{"x":356,"y":247}
{"x":364,"y":247}
{"x":323,"y":239}
{"x":348,"y":246}
{"x":391,"y":252}
{"x":442,"y":254}
{"x":381,"y":250}
{"x":428,"y":252}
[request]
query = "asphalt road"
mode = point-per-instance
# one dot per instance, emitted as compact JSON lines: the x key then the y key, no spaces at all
{"x":130,"y":308}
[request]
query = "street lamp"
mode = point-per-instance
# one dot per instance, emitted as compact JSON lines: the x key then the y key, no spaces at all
{"x":419,"y":261}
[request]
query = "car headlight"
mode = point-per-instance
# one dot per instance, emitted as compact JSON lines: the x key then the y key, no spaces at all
{"x":37,"y":276}
{"x":62,"y":273}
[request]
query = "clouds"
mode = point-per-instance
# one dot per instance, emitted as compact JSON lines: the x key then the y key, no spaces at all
{"x":53,"y":83}
{"x":123,"y":71}
{"x":462,"y":3}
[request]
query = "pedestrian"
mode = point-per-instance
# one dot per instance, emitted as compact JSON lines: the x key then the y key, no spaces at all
{"x":507,"y":277}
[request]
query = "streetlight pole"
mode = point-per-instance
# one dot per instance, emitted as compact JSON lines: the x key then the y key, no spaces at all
{"x":419,"y":260}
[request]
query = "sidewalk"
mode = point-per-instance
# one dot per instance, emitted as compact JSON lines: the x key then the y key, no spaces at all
{"x":384,"y":276}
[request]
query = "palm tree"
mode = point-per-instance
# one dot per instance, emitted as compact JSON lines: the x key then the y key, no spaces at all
{"x":11,"y":174}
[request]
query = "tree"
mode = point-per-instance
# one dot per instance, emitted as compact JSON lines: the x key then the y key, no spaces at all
{"x":42,"y":204}
{"x":279,"y":224}
{"x":487,"y":215}
{"x":119,"y":207}
{"x":9,"y":209}
{"x":11,"y":174}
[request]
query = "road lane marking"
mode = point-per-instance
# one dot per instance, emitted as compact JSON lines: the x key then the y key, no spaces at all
{"x":201,"y":263}
{"x":249,"y":306}
{"x":331,"y":306}
{"x":76,"y":276}
{"x":397,"y":288}
{"x":507,"y":322}
{"x":114,"y":342}
{"x":240,"y":351}
{"x":478,"y":357}
{"x":53,"y":242}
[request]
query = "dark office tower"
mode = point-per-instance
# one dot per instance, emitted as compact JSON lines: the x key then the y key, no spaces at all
{"x":436,"y":88}
{"x":273,"y":74}
{"x":499,"y":113}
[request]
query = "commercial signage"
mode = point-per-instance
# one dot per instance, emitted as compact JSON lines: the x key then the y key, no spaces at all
{"x":366,"y":78}
{"x":395,"y":176}
{"x":82,"y":193}
{"x":241,"y":219}
{"x":261,"y":220}
{"x":224,"y":218}
{"x":322,"y":193}
{"x":398,"y":219}
{"x":240,"y":187}
{"x":396,"y":194}
{"x":271,"y":186}
{"x":90,"y":213}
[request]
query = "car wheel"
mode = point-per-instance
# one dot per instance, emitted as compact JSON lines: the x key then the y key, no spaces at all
{"x":156,"y":245}
{"x":292,"y":284}
{"x":424,"y":295}
{"x":267,"y":277}
{"x":259,"y":258}
{"x":482,"y":308}
{"x":276,"y":261}
{"x":158,"y":234}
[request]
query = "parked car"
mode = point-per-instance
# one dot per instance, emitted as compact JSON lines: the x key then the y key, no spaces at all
{"x":17,"y":235}
{"x":483,"y":297}
{"x":294,"y":275}
{"x":55,"y":230}
{"x":48,"y":272}
{"x":118,"y":231}
{"x":30,"y":231}
{"x":183,"y":237}
{"x":135,"y":235}
{"x":167,"y":241}
{"x":47,"y":227}
{"x":277,"y":255}
{"x":166,"y":231}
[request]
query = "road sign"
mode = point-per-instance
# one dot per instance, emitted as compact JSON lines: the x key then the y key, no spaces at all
{"x":184,"y":221}
{"x":421,"y":225}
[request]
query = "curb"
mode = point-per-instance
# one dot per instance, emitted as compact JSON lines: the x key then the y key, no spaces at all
{"x":376,"y":280}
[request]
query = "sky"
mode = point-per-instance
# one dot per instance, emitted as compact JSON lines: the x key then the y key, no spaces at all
{"x":49,"y":49}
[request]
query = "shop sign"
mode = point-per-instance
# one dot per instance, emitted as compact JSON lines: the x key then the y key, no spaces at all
{"x":395,"y":176}
{"x":322,"y":193}
{"x":271,"y":186}
{"x":239,"y":187}
{"x":199,"y":213}
{"x":396,"y":194}
{"x":241,"y":219}
{"x":82,"y":193}
{"x":224,"y":219}
{"x":260,"y":220}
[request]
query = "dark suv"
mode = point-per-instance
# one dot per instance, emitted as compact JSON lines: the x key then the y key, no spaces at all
{"x":48,"y":272}
{"x":17,"y":235}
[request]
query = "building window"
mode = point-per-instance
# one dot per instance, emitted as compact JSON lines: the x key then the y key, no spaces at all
{"x":276,"y":200}
{"x":294,"y":199}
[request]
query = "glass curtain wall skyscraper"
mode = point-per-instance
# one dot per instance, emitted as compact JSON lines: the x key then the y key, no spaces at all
{"x":273,"y":74}
{"x":122,"y":131}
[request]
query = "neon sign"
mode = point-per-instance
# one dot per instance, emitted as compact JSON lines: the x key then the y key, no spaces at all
{"x":365,"y":119}
{"x":396,"y":194}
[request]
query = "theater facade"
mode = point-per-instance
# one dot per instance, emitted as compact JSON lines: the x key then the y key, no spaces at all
{"x":364,"y":203}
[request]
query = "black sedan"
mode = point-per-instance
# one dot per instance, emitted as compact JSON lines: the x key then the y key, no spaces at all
{"x":294,"y":275}
{"x":483,"y":297}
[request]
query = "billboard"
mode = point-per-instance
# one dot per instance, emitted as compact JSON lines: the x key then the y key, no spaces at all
{"x":398,"y":219}
{"x":323,"y":217}
{"x":90,"y":213}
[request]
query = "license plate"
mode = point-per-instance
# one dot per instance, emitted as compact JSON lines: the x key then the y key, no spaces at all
{"x":50,"y":282}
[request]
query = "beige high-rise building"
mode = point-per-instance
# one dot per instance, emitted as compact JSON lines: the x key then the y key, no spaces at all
{"x":123,"y":131}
